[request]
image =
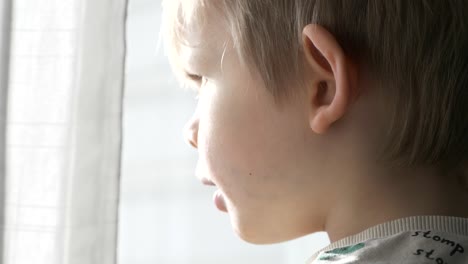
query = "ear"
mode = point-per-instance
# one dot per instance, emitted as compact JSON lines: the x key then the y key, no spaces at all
{"x":330,"y":78}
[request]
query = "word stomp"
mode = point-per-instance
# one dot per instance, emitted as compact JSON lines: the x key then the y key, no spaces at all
{"x":430,"y":254}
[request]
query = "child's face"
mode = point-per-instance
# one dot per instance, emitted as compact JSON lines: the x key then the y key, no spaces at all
{"x":257,"y":154}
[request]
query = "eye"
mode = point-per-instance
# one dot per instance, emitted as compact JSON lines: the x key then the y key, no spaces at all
{"x":196,"y":81}
{"x":195,"y":78}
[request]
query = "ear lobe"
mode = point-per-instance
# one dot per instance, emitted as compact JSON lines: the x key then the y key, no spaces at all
{"x":329,"y":74}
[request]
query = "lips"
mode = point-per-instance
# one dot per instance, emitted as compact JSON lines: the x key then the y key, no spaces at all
{"x":218,"y":197}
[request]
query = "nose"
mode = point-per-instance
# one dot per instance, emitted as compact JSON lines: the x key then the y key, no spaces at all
{"x":191,"y":131}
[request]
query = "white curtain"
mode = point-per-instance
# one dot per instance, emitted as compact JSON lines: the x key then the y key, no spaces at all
{"x":5,"y":24}
{"x":63,"y":117}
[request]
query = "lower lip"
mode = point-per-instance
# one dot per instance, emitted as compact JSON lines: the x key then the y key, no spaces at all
{"x":218,"y":199}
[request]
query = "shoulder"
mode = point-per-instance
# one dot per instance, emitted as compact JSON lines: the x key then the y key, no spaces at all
{"x":419,"y":246}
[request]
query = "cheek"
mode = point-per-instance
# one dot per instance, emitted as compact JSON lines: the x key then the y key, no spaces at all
{"x":229,"y":143}
{"x":231,"y":137}
{"x":245,"y":146}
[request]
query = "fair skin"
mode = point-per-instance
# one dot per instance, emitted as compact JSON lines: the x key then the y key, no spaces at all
{"x":309,"y":165}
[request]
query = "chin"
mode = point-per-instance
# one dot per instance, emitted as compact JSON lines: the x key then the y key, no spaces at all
{"x":259,"y":240}
{"x":261,"y":234}
{"x":257,"y":236}
{"x":252,"y":239}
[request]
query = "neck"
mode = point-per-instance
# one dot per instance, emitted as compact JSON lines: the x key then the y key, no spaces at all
{"x":375,"y":197}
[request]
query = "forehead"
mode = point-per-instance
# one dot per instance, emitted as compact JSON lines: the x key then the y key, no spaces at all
{"x":199,"y":33}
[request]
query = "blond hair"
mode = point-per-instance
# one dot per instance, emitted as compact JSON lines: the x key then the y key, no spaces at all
{"x":416,"y":49}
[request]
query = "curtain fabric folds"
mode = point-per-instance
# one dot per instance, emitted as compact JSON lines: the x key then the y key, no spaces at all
{"x":5,"y":25}
{"x":63,"y":126}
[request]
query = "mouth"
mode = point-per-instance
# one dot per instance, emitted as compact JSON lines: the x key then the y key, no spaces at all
{"x":218,"y":197}
{"x":205,"y":181}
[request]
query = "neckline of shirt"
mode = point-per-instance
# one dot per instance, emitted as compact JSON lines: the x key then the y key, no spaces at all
{"x":449,"y":224}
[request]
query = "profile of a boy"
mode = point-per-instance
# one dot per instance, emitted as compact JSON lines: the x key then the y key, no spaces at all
{"x":349,"y":117}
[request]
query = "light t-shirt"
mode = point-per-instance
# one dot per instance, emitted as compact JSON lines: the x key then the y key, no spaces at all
{"x":415,"y":240}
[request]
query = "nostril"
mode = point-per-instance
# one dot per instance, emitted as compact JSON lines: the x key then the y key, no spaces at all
{"x":191,"y":130}
{"x":191,"y":136}
{"x":193,"y":143}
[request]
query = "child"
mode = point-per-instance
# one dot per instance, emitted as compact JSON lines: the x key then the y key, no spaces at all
{"x":349,"y":117}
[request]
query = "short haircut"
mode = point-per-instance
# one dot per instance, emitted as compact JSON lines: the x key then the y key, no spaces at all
{"x":417,"y":50}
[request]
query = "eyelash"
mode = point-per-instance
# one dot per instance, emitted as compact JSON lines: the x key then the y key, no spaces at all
{"x":195,"y":78}
{"x":196,"y":82}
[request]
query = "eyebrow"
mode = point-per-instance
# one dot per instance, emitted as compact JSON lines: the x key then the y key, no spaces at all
{"x":190,"y":62}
